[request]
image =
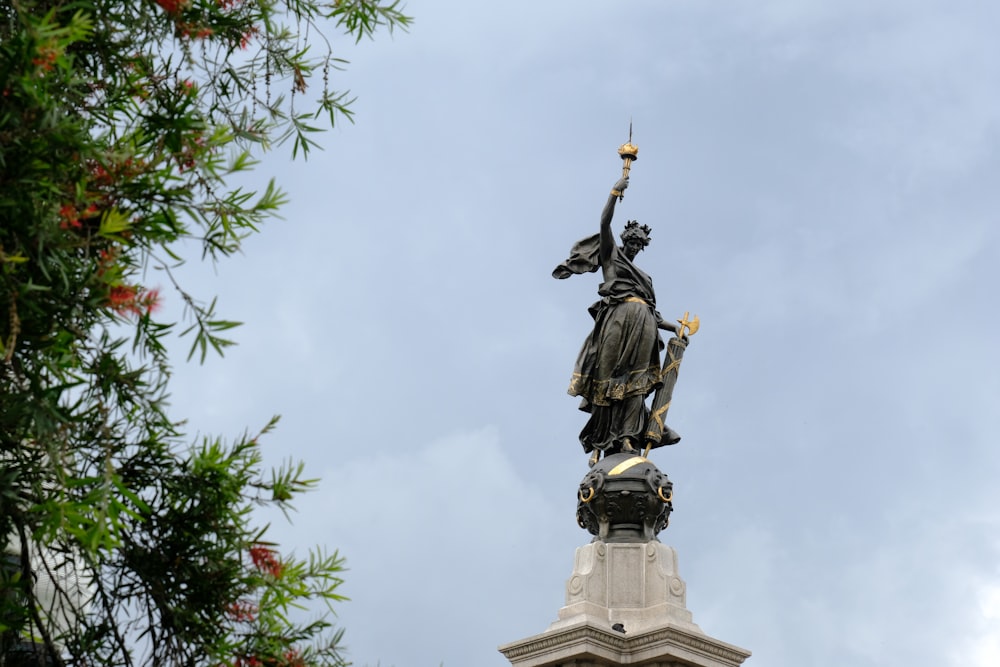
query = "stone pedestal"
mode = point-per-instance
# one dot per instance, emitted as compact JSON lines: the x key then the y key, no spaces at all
{"x":625,"y":605}
{"x":633,"y":584}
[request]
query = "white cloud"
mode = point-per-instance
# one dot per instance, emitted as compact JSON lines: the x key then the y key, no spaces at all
{"x":980,"y":646}
{"x":986,"y":648}
{"x":443,"y":539}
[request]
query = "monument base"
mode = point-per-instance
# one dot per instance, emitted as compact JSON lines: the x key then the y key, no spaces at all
{"x":625,"y":605}
{"x":589,"y":646}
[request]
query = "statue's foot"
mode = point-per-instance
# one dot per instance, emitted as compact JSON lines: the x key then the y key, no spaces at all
{"x":627,"y":447}
{"x":595,"y":457}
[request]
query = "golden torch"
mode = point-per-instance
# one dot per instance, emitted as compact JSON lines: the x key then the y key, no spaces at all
{"x":629,"y":153}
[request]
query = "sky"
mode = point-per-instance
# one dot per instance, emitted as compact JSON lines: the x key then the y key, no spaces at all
{"x":821,"y":180}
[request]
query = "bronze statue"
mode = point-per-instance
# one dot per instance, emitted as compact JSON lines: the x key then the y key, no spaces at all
{"x":619,"y":364}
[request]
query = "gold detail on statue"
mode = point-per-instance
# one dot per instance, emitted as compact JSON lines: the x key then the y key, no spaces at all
{"x":658,"y":416}
{"x":629,"y":153}
{"x":666,"y":499}
{"x":588,"y":498}
{"x":673,"y":365}
{"x":690,"y":325}
{"x":604,"y":392}
{"x":625,"y":465}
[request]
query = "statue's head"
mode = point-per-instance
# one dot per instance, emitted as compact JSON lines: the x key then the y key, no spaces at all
{"x":634,"y":238}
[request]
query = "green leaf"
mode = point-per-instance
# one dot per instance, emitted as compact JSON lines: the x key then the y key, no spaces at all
{"x":113,"y":223}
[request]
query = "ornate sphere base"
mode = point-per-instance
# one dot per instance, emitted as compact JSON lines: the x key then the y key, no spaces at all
{"x":624,"y":498}
{"x":625,"y":601}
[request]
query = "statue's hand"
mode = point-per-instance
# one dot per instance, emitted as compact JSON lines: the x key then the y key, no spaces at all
{"x":621,"y":185}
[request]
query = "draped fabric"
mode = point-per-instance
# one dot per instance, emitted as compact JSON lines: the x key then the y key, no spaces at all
{"x":619,"y":363}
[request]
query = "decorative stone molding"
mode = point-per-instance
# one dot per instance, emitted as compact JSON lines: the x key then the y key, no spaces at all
{"x":589,"y":646}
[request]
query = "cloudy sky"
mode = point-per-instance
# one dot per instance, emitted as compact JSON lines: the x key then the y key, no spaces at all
{"x":821,"y":177}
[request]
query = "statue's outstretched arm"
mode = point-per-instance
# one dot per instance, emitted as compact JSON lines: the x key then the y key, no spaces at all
{"x":663,"y":324}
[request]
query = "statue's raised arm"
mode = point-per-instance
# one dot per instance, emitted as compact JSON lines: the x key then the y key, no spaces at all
{"x":593,"y":252}
{"x":607,"y":239}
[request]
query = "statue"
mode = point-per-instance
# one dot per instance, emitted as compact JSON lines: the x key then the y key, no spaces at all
{"x":619,"y":364}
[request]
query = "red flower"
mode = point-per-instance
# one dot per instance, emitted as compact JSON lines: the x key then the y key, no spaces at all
{"x":242,"y":610}
{"x":46,"y":58}
{"x":149,"y":300}
{"x":293,"y":658}
{"x":266,"y":560}
{"x":132,"y":300}
{"x":245,"y":38}
{"x":122,"y":298}
{"x":106,"y":259}
{"x":249,"y":661}
{"x":100,"y":174}
{"x":70,"y":217}
{"x":172,"y":6}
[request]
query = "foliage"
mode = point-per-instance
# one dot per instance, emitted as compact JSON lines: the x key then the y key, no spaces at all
{"x":122,"y":123}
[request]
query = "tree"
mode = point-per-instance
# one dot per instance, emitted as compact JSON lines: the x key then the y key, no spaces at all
{"x":121,"y":125}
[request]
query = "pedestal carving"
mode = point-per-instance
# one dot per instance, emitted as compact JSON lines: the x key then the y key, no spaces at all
{"x":625,"y":605}
{"x":634,"y":584}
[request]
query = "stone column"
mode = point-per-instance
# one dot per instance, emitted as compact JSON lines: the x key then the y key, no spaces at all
{"x":625,"y":605}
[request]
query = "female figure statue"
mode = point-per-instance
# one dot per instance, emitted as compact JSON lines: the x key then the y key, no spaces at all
{"x":619,"y":364}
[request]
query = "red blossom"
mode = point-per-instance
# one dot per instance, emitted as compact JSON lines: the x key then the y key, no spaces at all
{"x":266,"y":560}
{"x":245,"y":38}
{"x":293,"y":658}
{"x":189,"y":30}
{"x":133,"y":300}
{"x":172,"y":6}
{"x":105,"y":259}
{"x":150,"y":300}
{"x":46,"y":58}
{"x":242,"y":610}
{"x":122,"y":297}
{"x":70,"y":217}
{"x":105,"y":175}
{"x":248,"y":661}
{"x":100,"y":174}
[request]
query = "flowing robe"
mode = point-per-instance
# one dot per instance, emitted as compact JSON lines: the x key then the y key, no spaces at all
{"x":619,"y":363}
